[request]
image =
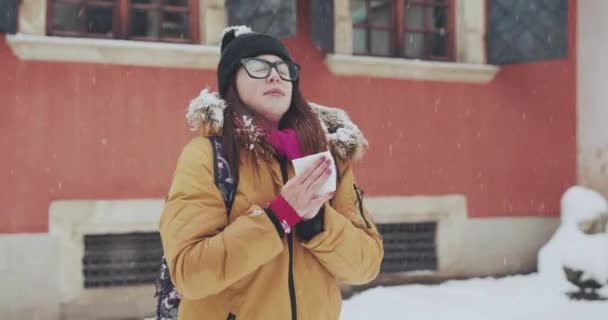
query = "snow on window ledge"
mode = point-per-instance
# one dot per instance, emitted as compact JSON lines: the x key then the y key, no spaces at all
{"x":350,"y":65}
{"x":122,"y":52}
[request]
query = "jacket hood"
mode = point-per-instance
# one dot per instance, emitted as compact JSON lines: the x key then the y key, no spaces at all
{"x":346,"y":141}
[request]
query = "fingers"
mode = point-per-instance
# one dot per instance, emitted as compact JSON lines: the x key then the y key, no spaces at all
{"x":317,"y":173}
{"x":308,"y":171}
{"x":320,"y":180}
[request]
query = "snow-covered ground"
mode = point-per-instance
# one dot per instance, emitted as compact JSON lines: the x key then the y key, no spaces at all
{"x":511,"y":298}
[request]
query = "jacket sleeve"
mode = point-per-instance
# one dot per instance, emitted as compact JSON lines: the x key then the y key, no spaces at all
{"x":204,"y":254}
{"x":349,"y":244}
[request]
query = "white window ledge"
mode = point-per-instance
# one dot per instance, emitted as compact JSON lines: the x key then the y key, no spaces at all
{"x":343,"y":64}
{"x":123,"y":52}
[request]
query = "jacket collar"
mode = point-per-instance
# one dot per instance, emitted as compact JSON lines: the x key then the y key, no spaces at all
{"x":206,"y":113}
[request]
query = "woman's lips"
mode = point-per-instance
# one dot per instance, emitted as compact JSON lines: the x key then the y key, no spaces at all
{"x":274,"y":92}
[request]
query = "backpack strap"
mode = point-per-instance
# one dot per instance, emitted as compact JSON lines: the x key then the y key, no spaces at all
{"x":337,"y":168}
{"x":168,"y":298}
{"x":224,"y":178}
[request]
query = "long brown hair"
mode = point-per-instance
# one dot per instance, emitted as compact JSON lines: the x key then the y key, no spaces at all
{"x":299,"y":117}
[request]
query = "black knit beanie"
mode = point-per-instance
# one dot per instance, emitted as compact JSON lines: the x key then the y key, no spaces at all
{"x":239,"y":43}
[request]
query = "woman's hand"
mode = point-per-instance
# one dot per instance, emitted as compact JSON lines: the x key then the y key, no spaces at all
{"x":301,"y":191}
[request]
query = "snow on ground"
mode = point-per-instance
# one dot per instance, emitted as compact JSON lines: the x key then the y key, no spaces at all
{"x":512,"y":298}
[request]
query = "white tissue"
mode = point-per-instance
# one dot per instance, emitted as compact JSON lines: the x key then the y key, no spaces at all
{"x":301,"y":164}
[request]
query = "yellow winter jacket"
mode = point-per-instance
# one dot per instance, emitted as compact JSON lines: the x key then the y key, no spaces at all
{"x":238,"y":266}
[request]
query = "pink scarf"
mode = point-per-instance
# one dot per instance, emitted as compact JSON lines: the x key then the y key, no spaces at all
{"x":286,"y":143}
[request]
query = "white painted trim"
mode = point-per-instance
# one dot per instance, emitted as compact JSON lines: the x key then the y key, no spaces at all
{"x":213,"y":16}
{"x":483,"y":247}
{"x":29,"y":276}
{"x":138,"y":53}
{"x":410,"y":209}
{"x":448,"y":211}
{"x":466,"y":247}
{"x":470,"y":31}
{"x":70,"y":221}
{"x":591,"y":95}
{"x":343,"y":27}
{"x":32,"y":17}
{"x":132,"y":302}
{"x":396,"y":68}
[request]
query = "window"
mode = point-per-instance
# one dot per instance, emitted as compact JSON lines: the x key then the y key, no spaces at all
{"x":146,"y":20}
{"x":415,"y":29}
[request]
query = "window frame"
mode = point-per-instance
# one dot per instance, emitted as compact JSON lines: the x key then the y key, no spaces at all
{"x":398,"y":29}
{"x":122,"y":19}
{"x":470,"y":65}
{"x":32,"y":42}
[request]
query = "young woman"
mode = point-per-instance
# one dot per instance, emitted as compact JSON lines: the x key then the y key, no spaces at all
{"x":283,"y":248}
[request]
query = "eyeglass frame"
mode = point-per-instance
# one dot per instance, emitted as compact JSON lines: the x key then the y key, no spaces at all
{"x":273,"y":65}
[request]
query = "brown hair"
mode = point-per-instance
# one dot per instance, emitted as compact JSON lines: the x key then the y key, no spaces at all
{"x":299,"y":117}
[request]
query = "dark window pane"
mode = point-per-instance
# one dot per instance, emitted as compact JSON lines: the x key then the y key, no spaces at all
{"x":275,"y":17}
{"x":414,"y":17}
{"x":181,"y":3}
{"x":381,"y":13}
{"x":358,"y":11}
{"x":66,"y":17}
{"x":381,"y":42}
{"x":414,"y":45}
{"x":146,"y":1}
{"x":439,"y":45}
{"x":360,"y":40}
{"x":99,"y":20}
{"x":519,"y":33}
{"x":426,"y":17}
{"x":439,"y":18}
{"x":145,"y":23}
{"x":175,"y":25}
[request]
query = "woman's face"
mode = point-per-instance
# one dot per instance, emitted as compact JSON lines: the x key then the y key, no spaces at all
{"x":269,"y":97}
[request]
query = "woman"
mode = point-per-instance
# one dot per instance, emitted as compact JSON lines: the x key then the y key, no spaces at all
{"x":283,"y":248}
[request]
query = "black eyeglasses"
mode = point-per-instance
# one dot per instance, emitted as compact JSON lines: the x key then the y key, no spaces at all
{"x":260,"y":69}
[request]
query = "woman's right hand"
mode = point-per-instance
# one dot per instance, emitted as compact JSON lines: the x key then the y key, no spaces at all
{"x":301,"y":191}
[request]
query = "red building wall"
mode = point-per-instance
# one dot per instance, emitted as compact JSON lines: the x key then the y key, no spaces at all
{"x":92,"y":131}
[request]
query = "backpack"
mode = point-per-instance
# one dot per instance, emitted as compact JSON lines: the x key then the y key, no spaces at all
{"x":168,"y":298}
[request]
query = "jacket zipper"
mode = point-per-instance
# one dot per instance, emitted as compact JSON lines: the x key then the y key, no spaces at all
{"x":359,"y":193}
{"x":292,"y":287}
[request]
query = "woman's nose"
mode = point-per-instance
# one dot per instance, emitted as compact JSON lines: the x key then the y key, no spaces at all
{"x":273,"y":76}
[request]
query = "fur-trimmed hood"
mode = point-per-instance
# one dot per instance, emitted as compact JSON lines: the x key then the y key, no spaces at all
{"x":206,"y":113}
